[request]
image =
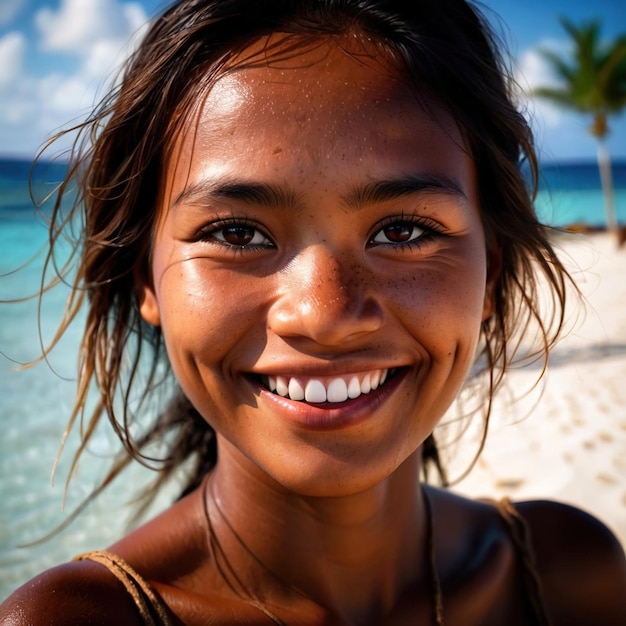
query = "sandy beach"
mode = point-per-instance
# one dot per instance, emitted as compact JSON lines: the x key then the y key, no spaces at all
{"x":567,"y":439}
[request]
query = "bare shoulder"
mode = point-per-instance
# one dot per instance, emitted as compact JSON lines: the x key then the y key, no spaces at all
{"x":580,"y":562}
{"x":75,"y":593}
{"x":86,"y":592}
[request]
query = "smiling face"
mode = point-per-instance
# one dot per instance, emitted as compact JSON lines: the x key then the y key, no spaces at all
{"x":319,"y":269}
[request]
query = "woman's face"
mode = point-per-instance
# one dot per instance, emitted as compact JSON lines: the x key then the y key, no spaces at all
{"x":319,"y":269}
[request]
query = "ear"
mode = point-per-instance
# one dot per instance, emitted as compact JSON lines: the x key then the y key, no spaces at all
{"x":494,"y":267}
{"x":148,"y":302}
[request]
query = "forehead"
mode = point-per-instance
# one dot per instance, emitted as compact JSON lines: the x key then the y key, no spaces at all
{"x":340,"y":82}
{"x":338,"y":106}
{"x":323,"y":75}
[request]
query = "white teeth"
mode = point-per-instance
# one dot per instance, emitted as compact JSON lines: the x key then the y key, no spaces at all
{"x":375,"y":380}
{"x":365,"y":384}
{"x":339,"y":389}
{"x":296,"y":392}
{"x":315,"y":391}
{"x":282,"y":389}
{"x":354,"y":388}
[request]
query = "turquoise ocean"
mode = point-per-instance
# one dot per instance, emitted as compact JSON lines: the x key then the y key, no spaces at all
{"x":35,"y":402}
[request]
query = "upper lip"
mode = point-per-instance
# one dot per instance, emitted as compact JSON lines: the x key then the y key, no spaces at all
{"x":325,"y":369}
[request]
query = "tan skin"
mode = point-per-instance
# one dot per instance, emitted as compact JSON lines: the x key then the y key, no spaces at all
{"x":338,"y":226}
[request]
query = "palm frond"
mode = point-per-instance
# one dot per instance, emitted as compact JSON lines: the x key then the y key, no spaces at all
{"x":592,"y":78}
{"x":561,"y":97}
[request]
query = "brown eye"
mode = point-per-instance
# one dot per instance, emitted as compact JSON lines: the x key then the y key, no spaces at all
{"x":399,"y":232}
{"x":240,"y":236}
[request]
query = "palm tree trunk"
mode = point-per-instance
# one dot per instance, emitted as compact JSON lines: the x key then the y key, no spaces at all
{"x":606,"y":177}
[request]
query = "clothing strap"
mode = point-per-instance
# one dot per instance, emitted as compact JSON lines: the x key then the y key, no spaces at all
{"x":521,"y":537}
{"x":150,"y":606}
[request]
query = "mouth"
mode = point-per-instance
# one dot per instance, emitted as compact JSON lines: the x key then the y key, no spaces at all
{"x":327,"y":389}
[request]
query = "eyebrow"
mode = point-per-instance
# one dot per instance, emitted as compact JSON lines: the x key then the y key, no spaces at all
{"x":249,"y":192}
{"x":284,"y":198}
{"x":385,"y":190}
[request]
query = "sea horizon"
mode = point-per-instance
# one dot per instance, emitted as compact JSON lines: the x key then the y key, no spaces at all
{"x":569,"y":191}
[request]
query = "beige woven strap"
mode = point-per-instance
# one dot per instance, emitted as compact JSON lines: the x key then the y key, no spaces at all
{"x":520,"y":534}
{"x":151,"y":608}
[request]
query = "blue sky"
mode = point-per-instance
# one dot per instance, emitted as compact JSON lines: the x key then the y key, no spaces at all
{"x":55,"y":57}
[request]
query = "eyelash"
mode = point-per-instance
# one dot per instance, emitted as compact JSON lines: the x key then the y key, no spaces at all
{"x":208,"y":233}
{"x":431,"y":230}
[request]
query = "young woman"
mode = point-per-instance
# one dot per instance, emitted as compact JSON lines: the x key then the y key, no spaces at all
{"x":311,"y":215}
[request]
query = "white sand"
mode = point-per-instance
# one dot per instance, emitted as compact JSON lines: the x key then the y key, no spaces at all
{"x":568,"y":443}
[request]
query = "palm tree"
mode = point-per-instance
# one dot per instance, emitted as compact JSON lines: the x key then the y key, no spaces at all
{"x":592,"y":82}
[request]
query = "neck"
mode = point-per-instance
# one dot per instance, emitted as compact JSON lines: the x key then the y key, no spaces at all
{"x":352,"y":555}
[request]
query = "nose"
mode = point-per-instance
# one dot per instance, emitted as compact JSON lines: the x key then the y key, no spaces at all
{"x":326,"y":299}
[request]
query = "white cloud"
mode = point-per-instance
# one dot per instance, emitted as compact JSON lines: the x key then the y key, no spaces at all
{"x":98,"y":34}
{"x":533,"y":72}
{"x":9,"y":9}
{"x":78,"y":24}
{"x":12,"y":48}
{"x":64,"y":95}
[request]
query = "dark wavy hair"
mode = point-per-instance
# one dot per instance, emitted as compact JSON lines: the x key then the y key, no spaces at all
{"x":119,"y":155}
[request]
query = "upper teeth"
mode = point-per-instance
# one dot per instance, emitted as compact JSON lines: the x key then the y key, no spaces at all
{"x":337,"y":389}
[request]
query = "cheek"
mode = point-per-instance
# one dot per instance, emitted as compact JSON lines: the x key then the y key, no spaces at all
{"x":204,"y":310}
{"x":444,"y":299}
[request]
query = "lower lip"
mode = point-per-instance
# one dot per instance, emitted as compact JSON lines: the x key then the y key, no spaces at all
{"x":330,"y":415}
